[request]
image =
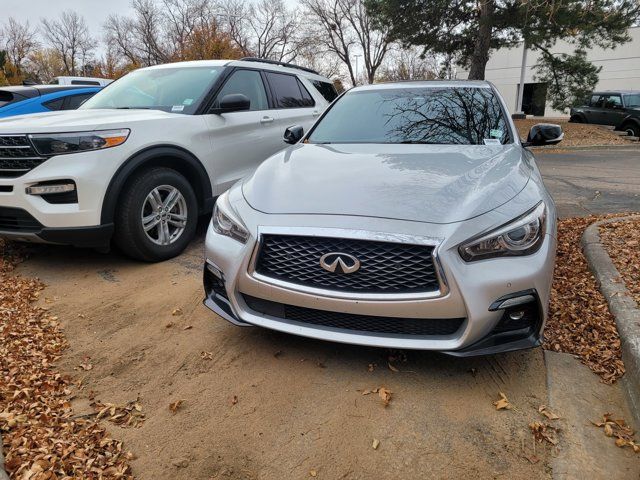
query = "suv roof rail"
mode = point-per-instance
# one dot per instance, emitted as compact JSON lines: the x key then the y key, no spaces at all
{"x":275,"y":62}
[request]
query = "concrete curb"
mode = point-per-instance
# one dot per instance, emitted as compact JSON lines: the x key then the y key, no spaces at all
{"x":3,"y":473}
{"x":558,"y":148}
{"x":621,"y":304}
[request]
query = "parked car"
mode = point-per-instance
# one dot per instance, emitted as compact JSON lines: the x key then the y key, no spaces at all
{"x":425,"y":226}
{"x":102,"y":82}
{"x":620,"y":109}
{"x":23,"y":100}
{"x":146,"y":156}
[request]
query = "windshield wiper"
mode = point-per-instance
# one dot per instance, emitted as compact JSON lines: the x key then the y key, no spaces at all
{"x":134,"y":108}
{"x":419,"y":142}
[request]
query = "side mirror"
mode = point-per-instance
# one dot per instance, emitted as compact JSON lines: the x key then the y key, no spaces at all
{"x":233,"y":102}
{"x":544,"y":134}
{"x":293,"y":134}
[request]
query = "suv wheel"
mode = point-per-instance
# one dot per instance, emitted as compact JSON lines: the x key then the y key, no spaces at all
{"x":632,"y":130}
{"x":157,"y":215}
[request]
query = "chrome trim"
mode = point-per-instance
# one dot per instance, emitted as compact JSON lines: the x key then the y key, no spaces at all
{"x":356,"y":235}
{"x":15,"y":146}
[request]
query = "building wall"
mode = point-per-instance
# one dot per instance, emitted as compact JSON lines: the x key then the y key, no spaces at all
{"x":620,"y":68}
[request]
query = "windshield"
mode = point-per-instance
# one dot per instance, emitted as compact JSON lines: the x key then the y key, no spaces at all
{"x":632,"y":101}
{"x":177,"y":90}
{"x":435,"y":115}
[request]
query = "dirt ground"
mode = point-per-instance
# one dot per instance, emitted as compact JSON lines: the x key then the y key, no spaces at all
{"x":262,"y":405}
{"x":299,"y":407}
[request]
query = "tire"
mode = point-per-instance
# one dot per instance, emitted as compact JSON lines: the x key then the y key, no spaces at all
{"x":143,"y":229}
{"x":632,"y":129}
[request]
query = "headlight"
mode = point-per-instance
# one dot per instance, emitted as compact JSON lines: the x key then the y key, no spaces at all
{"x":226,"y":221}
{"x":522,"y":236}
{"x":61,"y":143}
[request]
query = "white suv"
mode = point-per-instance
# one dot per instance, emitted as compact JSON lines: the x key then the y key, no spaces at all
{"x":145,"y":157}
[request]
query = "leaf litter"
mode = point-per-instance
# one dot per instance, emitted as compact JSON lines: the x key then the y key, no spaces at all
{"x":42,"y":438}
{"x":579,"y":319}
{"x":618,"y":429}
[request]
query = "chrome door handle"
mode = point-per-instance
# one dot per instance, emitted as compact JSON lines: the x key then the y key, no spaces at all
{"x":266,"y":120}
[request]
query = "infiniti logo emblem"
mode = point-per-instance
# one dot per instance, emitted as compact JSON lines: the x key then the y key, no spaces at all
{"x":337,"y":262}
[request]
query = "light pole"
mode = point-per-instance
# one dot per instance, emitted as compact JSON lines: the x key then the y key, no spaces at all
{"x":519,"y":113}
{"x":356,"y":76}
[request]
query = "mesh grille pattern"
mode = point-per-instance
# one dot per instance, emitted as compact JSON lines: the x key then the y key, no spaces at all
{"x":17,"y":156}
{"x":18,"y":220}
{"x":359,"y":323}
{"x":384,"y":267}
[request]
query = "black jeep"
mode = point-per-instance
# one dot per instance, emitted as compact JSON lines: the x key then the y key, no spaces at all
{"x":619,"y":108}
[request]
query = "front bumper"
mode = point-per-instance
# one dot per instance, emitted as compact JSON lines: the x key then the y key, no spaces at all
{"x":472,"y":290}
{"x":32,"y":218}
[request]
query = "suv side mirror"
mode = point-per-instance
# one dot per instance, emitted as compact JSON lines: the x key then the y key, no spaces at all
{"x":293,"y":134}
{"x":544,"y":134}
{"x":233,"y":102}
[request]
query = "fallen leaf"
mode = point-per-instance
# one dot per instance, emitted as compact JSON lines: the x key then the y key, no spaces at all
{"x":547,"y":413}
{"x":169,"y":325}
{"x":313,"y":473}
{"x":375,"y":443}
{"x":234,"y":400}
{"x":206,"y":355}
{"x":176,"y":312}
{"x":385,"y":395}
{"x":392,"y":368}
{"x":188,"y":327}
{"x":502,"y":403}
{"x":371,"y":367}
{"x":174,"y":406}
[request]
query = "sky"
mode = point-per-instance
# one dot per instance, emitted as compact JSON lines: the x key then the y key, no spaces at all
{"x":95,"y":12}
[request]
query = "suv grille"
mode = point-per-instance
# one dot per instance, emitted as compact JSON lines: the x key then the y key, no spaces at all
{"x":18,"y":220}
{"x":384,"y":267}
{"x":359,"y":323}
{"x":17,"y":156}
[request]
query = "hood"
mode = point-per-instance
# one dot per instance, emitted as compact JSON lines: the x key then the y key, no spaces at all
{"x":425,"y":183}
{"x":80,"y":120}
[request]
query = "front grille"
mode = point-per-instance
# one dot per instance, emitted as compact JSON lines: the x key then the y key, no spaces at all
{"x":18,"y":220}
{"x":356,"y":323}
{"x":17,"y":156}
{"x":385,"y":267}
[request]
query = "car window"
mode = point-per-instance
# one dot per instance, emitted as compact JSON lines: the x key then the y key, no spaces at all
{"x":170,"y":89}
{"x":612,"y":101}
{"x":434,"y":115}
{"x":7,"y":98}
{"x":248,"y":83}
{"x":54,"y":105}
{"x":326,"y":89}
{"x":288,"y":91}
{"x":595,"y":101}
{"x":632,"y":101}
{"x":73,"y":102}
{"x":85,"y":82}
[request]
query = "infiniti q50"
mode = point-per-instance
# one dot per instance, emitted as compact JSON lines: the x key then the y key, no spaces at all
{"x":411,"y":215}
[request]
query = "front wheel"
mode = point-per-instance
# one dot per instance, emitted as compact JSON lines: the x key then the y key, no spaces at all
{"x":632,"y":129}
{"x":157,"y":215}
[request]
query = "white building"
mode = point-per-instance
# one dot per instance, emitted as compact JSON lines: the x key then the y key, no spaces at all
{"x":620,"y":71}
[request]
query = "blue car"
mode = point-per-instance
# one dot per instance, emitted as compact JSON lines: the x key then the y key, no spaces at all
{"x":26,"y":99}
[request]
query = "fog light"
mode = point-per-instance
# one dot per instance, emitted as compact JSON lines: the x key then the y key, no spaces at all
{"x":50,"y":189}
{"x":516,"y":315}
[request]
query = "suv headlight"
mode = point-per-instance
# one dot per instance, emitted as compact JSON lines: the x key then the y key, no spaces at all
{"x":62,"y":143}
{"x":522,"y":236}
{"x":227,"y":222}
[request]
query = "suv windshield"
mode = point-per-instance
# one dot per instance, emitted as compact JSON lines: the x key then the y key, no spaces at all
{"x":434,"y":115}
{"x":176,"y":90}
{"x":632,"y":101}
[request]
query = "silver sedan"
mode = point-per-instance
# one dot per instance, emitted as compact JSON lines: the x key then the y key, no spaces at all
{"x":410,"y":216}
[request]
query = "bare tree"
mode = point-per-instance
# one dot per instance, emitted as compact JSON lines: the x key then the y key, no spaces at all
{"x":19,"y":41}
{"x":343,"y":27}
{"x":409,"y":64}
{"x":182,"y":18}
{"x":69,"y":36}
{"x":264,"y":29}
{"x":141,"y":39}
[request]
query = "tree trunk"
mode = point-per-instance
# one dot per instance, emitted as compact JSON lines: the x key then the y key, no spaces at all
{"x":482,"y":47}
